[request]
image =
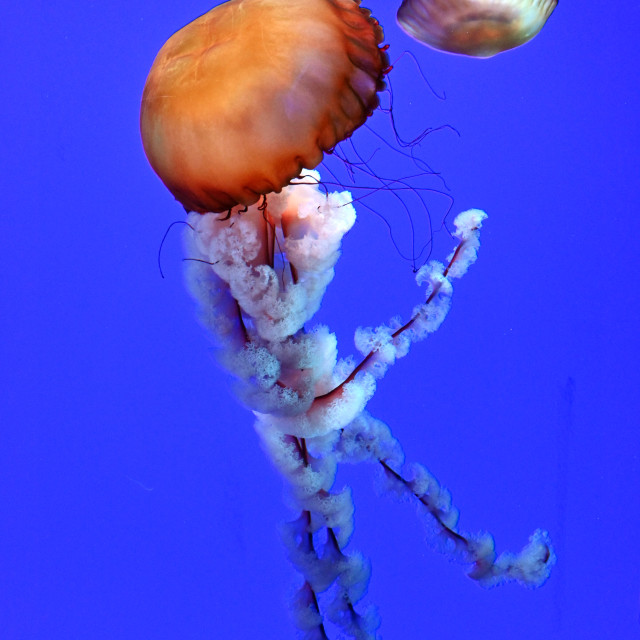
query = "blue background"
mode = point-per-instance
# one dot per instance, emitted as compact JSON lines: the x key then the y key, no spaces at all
{"x":135,"y":501}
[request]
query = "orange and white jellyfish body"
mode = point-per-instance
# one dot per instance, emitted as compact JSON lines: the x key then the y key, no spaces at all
{"x":243,"y":98}
{"x":480,"y":28}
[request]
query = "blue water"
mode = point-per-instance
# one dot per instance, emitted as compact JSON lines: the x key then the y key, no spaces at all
{"x":135,"y":501}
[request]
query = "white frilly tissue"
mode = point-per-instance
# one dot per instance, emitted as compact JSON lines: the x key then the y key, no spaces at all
{"x":258,"y":277}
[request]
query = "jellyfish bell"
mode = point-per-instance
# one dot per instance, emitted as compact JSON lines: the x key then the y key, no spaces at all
{"x":480,"y":28}
{"x":243,"y":98}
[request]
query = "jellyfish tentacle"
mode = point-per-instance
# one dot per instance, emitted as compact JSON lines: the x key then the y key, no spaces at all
{"x":368,"y":439}
{"x":468,"y":224}
{"x":325,"y":567}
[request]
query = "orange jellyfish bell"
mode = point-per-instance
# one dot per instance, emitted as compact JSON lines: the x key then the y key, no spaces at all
{"x":243,"y":98}
{"x":478,"y":28}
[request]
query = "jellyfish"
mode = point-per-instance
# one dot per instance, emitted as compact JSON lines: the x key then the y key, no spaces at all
{"x":480,"y":28}
{"x":242,"y":103}
{"x":243,"y":98}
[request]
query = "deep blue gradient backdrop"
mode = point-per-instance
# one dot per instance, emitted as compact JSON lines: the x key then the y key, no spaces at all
{"x":135,"y":502}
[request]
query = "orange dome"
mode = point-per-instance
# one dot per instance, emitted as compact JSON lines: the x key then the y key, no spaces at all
{"x":239,"y":101}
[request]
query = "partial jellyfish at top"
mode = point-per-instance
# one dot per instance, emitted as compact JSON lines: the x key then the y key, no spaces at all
{"x":242,"y":99}
{"x":479,"y":28}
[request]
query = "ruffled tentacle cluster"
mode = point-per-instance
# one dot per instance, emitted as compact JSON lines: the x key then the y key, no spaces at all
{"x":259,"y":276}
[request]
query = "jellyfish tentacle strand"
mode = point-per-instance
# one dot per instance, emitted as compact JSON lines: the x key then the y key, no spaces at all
{"x":369,"y":439}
